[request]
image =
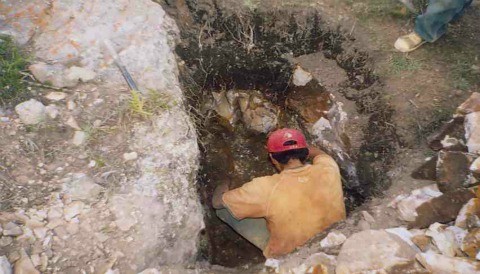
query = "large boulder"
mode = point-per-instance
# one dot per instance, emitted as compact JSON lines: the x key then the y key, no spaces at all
{"x":374,"y":251}
{"x":158,"y":217}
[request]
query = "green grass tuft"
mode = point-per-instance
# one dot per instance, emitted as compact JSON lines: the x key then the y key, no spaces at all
{"x":12,"y":63}
{"x":401,"y":63}
{"x":463,"y":76}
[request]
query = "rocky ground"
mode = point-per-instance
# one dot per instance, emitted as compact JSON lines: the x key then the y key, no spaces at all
{"x":97,"y":179}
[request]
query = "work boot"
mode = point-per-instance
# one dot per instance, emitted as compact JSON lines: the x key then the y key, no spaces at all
{"x":409,"y":42}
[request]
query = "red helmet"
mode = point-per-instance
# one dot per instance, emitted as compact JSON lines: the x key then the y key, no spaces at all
{"x":285,"y":139}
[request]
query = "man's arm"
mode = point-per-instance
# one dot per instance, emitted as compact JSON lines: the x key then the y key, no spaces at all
{"x":217,"y":201}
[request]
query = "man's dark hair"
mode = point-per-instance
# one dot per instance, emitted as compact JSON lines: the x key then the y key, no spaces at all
{"x":285,"y":156}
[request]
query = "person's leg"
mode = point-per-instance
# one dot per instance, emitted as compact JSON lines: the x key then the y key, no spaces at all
{"x":433,"y":23}
{"x":254,"y":230}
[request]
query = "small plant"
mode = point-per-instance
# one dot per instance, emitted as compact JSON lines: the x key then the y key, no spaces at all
{"x":146,"y":106}
{"x":401,"y":63}
{"x":12,"y":63}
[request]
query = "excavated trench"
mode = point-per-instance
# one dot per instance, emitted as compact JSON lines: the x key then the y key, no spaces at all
{"x":232,"y":58}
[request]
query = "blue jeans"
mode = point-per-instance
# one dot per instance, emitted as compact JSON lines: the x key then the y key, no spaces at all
{"x":433,"y":23}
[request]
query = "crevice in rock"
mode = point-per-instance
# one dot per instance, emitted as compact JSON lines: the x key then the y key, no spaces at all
{"x":229,"y":54}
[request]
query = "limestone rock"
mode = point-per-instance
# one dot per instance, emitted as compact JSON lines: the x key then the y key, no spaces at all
{"x":472,"y":104}
{"x":12,"y":229}
{"x":475,"y":167}
{"x":403,"y":234}
{"x":453,"y":170}
{"x":163,"y":190}
{"x":301,"y":77}
{"x":40,"y":232}
{"x":123,"y":211}
{"x":5,"y":241}
{"x":75,"y":74}
{"x":55,"y":212}
{"x":427,"y":171}
{"x":452,"y":128}
{"x":446,"y":240}
{"x":52,"y":111}
{"x":471,"y":243}
{"x":79,"y":138}
{"x":441,"y":264}
{"x":442,"y":209}
{"x":407,"y":204}
{"x":51,"y":74}
{"x":81,"y":187}
{"x":73,"y":209}
{"x":423,"y":242}
{"x":472,"y":132}
{"x":56,"y":96}
{"x":224,"y":104}
{"x":315,"y":263}
{"x":31,"y":112}
{"x":469,"y":214}
{"x":334,"y":238}
{"x":329,"y":134}
{"x":25,"y":266}
{"x":258,"y":114}
{"x":5,"y":267}
{"x":22,"y":28}
{"x":130,"y":156}
{"x":373,"y":250}
{"x":71,"y":122}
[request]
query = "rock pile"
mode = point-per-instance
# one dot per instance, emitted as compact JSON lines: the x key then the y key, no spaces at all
{"x":442,"y":231}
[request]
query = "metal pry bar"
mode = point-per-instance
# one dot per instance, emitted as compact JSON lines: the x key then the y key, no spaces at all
{"x":126,"y":75}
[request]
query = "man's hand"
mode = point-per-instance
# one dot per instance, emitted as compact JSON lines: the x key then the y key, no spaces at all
{"x":217,"y":201}
{"x":314,"y":152}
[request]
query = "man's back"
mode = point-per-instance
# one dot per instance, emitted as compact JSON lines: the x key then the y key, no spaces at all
{"x":297,"y":203}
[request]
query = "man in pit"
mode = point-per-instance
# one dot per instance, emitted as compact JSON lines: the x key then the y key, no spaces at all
{"x":281,"y":212}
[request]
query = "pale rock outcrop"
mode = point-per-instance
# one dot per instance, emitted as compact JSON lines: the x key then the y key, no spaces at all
{"x":21,"y":19}
{"x":68,"y":38}
{"x":373,"y":250}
